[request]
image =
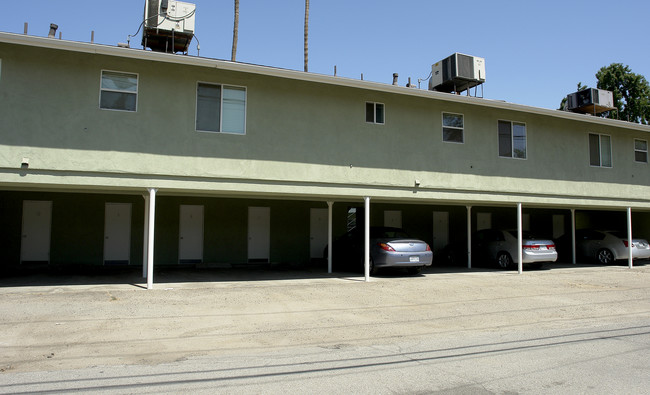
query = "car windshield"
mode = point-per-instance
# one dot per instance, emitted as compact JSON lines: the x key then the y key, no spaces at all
{"x":620,"y":235}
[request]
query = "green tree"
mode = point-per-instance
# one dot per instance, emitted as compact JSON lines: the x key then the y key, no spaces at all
{"x":631,"y":92}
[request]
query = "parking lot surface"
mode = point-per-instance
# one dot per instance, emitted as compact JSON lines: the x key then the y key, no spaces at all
{"x":308,"y":330}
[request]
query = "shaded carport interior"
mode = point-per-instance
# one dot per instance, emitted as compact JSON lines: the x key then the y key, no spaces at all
{"x":78,"y":226}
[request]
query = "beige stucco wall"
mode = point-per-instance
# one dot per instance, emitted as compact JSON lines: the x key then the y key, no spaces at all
{"x":303,"y":139}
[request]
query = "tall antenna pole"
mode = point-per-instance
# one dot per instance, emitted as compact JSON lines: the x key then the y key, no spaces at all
{"x":306,"y":34}
{"x":235,"y":32}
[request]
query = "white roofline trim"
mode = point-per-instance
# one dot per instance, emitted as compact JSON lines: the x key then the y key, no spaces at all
{"x":101,"y":49}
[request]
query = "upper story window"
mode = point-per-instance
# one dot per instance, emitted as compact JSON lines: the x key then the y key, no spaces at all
{"x":375,"y":112}
{"x":512,"y":139}
{"x":452,"y":128}
{"x":600,"y":150}
{"x":220,"y":108}
{"x":641,"y":151}
{"x":119,"y":91}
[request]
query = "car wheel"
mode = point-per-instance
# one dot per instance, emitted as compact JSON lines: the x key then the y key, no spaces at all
{"x":373,"y":269}
{"x":414,"y":270}
{"x":504,"y":261}
{"x":605,"y":257}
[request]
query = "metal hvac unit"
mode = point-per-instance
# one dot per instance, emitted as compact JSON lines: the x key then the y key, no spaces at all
{"x":168,"y":25}
{"x":457,"y":73}
{"x":590,"y":101}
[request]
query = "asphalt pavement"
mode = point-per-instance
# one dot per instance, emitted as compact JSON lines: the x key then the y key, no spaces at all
{"x":565,"y":329}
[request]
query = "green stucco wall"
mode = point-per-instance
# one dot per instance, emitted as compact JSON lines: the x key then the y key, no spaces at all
{"x":302,"y":138}
{"x":306,"y":143}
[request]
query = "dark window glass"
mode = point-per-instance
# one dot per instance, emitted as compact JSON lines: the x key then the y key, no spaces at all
{"x":370,"y":112}
{"x":208,"y":107}
{"x":118,"y":101}
{"x":594,"y":149}
{"x":505,"y":139}
{"x":379,"y":113}
{"x":641,"y":156}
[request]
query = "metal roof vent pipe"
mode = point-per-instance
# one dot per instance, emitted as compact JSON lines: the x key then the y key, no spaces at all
{"x":53,"y":28}
{"x":395,"y":75}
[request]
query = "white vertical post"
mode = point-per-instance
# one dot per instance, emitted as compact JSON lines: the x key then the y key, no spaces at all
{"x":329,"y":236}
{"x":629,"y":237}
{"x":150,"y":234}
{"x":145,"y":238}
{"x":573,"y":236}
{"x":469,"y":237}
{"x":520,"y":241}
{"x":366,"y":239}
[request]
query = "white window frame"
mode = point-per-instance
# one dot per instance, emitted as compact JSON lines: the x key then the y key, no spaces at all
{"x":640,"y":150}
{"x":600,"y":150}
{"x":512,"y":139}
{"x":221,"y":86}
{"x":136,"y":93}
{"x":374,"y":118}
{"x":462,"y":129}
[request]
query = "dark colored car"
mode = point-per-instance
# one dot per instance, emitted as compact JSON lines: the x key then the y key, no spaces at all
{"x":389,"y":247}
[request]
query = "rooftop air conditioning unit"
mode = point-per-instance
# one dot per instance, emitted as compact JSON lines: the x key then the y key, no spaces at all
{"x":168,"y":25}
{"x":590,"y":101}
{"x":457,"y":73}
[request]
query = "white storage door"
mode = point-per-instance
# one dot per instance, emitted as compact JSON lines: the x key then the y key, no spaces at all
{"x":117,"y":233}
{"x":317,"y":232}
{"x":190,"y":248}
{"x":37,"y":223}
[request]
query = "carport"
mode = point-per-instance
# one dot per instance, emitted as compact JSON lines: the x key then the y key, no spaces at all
{"x":419,"y":210}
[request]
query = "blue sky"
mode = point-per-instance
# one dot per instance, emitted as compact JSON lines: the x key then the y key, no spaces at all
{"x":535,"y":51}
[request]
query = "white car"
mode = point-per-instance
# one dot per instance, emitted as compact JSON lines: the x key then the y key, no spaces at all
{"x":609,"y":246}
{"x":500,"y":246}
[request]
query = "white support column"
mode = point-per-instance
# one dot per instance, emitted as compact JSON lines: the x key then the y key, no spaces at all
{"x":629,"y":238}
{"x":520,"y":241}
{"x":150,"y":234}
{"x":145,"y":238}
{"x":469,"y":237}
{"x":573,"y":236}
{"x":366,"y":239}
{"x":329,"y":236}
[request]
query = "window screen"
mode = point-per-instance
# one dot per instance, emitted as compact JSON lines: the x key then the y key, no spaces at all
{"x":452,"y":128}
{"x":119,"y":91}
{"x":220,"y":108}
{"x":594,"y":150}
{"x":641,"y":151}
{"x":600,"y":150}
{"x":234,"y":110}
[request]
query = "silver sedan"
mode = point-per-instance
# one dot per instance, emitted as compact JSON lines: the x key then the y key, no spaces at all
{"x":606,"y":247}
{"x":501,"y":246}
{"x":389,"y":247}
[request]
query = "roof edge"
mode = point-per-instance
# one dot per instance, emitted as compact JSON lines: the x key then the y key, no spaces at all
{"x":103,"y":49}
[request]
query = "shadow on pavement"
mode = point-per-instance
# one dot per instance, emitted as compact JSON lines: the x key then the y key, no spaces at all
{"x":49,"y":275}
